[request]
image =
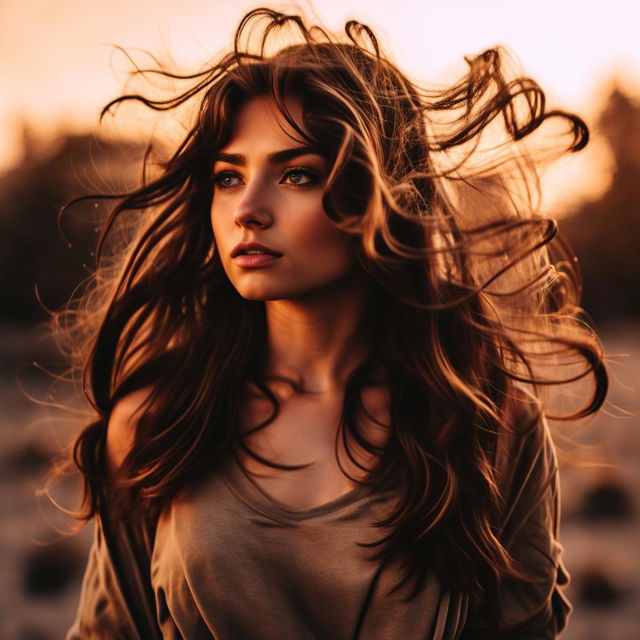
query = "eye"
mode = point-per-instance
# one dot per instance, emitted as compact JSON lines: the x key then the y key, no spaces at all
{"x":300,"y":177}
{"x":226,"y":180}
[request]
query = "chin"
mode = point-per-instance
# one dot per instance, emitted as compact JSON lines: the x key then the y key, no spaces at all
{"x":266,"y":294}
{"x":286,"y":289}
{"x":260,"y":294}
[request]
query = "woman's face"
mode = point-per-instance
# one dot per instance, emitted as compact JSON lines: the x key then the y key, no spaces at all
{"x":271,"y":232}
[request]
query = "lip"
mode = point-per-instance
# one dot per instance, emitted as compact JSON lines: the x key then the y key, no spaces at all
{"x":250,"y":261}
{"x":242,"y":247}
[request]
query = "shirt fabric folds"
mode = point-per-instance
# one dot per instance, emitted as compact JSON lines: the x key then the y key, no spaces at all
{"x":226,"y":561}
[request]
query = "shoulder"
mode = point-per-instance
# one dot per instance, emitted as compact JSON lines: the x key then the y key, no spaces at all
{"x":121,"y":427}
{"x":526,"y":458}
{"x":527,"y":471}
{"x":524,"y":426}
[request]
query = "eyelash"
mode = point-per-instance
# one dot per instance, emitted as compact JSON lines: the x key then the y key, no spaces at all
{"x":312,"y":175}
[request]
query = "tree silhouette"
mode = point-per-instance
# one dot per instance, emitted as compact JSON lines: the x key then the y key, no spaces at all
{"x":605,"y":234}
{"x":37,"y":250}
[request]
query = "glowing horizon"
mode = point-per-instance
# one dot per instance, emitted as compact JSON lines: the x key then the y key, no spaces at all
{"x":573,"y":51}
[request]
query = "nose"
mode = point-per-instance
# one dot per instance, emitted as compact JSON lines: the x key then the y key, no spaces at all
{"x":252,"y":210}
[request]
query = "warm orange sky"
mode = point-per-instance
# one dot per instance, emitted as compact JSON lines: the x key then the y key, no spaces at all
{"x":56,"y":65}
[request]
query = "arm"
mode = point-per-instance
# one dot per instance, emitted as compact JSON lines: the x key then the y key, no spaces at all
{"x":531,"y":607}
{"x":116,"y":599}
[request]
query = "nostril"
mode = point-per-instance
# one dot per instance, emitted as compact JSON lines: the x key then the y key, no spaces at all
{"x":252,"y":220}
{"x":249,"y":223}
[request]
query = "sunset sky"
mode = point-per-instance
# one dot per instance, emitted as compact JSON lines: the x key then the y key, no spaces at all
{"x":57,"y":66}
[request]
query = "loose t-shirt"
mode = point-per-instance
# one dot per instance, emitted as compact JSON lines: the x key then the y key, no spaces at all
{"x":226,"y":561}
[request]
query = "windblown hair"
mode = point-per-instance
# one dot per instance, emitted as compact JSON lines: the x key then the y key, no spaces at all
{"x":472,"y":302}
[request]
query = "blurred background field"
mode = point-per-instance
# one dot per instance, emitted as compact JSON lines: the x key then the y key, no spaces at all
{"x":49,"y":156}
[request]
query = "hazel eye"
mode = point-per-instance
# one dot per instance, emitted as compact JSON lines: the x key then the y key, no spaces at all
{"x":299,"y":177}
{"x":226,"y":180}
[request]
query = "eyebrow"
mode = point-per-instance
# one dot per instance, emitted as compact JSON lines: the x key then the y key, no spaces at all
{"x":276,"y":157}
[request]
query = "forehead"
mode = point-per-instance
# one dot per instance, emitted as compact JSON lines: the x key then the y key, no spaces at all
{"x":259,"y":123}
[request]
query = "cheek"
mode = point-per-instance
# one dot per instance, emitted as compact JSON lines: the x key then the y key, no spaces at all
{"x":328,"y":244}
{"x":314,"y":229}
{"x":219,"y":229}
{"x":213,"y":221}
{"x":221,"y":240}
{"x":332,"y":237}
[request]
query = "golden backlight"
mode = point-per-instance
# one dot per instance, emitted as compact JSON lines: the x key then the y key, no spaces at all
{"x":57,"y":65}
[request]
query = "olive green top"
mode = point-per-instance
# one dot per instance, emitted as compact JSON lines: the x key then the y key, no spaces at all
{"x":226,"y":561}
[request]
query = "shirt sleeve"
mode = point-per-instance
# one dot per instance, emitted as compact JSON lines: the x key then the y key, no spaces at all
{"x":532,"y":606}
{"x":116,"y":598}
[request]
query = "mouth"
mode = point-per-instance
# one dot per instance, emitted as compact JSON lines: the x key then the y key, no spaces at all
{"x":253,"y":249}
{"x":251,"y":255}
{"x":251,"y":261}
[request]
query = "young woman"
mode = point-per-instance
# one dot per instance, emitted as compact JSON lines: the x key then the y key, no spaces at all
{"x":317,"y":371}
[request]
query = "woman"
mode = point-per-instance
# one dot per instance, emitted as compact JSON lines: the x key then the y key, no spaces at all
{"x":317,"y":371}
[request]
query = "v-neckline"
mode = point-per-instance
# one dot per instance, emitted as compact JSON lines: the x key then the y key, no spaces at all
{"x":241,"y":480}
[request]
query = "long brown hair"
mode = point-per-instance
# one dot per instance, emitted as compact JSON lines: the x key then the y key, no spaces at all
{"x":470,"y":302}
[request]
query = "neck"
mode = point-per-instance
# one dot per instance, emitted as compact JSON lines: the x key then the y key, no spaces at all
{"x":319,"y":339}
